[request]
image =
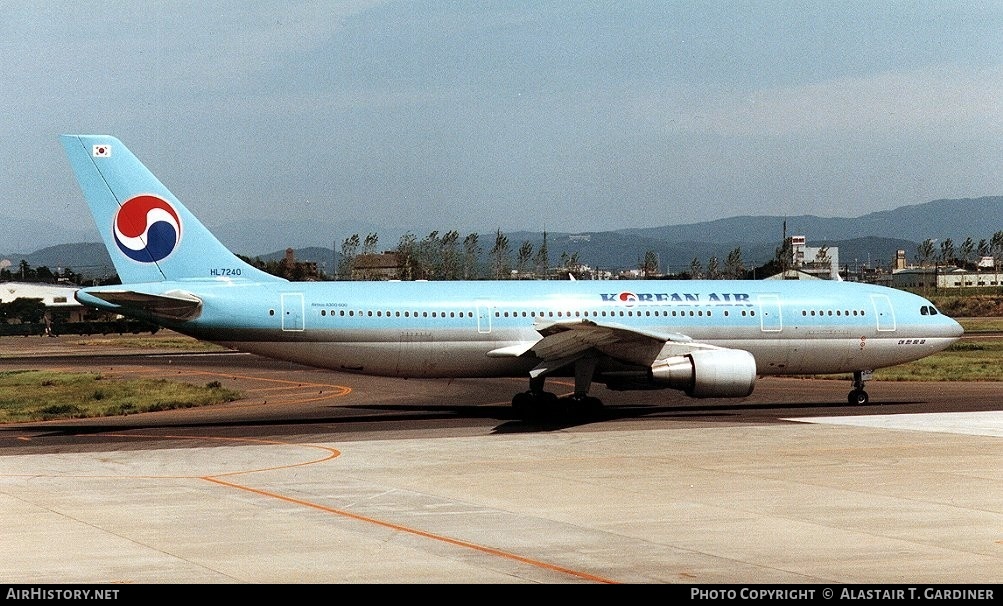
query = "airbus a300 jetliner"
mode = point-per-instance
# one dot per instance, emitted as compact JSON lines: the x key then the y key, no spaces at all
{"x":707,"y":338}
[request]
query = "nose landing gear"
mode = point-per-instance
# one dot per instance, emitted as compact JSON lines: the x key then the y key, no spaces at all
{"x":857,"y":396}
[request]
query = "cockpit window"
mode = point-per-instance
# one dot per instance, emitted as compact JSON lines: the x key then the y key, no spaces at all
{"x":928,"y":310}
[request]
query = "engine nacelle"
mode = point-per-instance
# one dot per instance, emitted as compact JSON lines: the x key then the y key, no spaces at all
{"x":708,"y":373}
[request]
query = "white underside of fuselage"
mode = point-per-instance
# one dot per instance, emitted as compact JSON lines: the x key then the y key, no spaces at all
{"x":443,"y":359}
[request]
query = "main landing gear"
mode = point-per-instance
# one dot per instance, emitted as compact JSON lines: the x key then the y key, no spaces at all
{"x":859,"y":397}
{"x":539,"y":403}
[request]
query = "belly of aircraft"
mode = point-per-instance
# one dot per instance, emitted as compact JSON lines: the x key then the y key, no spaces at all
{"x":801,"y":356}
{"x":407,"y":359}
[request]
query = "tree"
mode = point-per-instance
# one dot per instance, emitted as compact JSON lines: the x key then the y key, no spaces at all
{"x":449,"y":255}
{"x":407,"y":256}
{"x":471,"y":253}
{"x":996,"y":248}
{"x":23,"y":310}
{"x":349,"y":248}
{"x":649,"y":267}
{"x":570,"y":264}
{"x":542,"y":260}
{"x":44,"y":274}
{"x":784,"y":255}
{"x":925,"y":252}
{"x":499,"y":255}
{"x":822,"y":256}
{"x":967,"y":250}
{"x":696,"y":269}
{"x":712,"y":268}
{"x":734,"y":267}
{"x":523,"y":257}
{"x":429,"y":257}
{"x":947,"y":251}
{"x":369,"y":244}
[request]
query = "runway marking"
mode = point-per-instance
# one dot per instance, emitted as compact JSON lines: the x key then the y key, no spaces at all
{"x":331,"y":453}
{"x":416,"y":532}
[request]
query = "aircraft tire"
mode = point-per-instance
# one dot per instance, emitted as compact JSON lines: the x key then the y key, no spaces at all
{"x":858,"y":397}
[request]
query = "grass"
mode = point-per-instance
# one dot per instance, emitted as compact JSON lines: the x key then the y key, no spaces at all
{"x":974,"y":326}
{"x":34,"y":395}
{"x":37,"y":395}
{"x":968,"y":360}
{"x":152,"y":342}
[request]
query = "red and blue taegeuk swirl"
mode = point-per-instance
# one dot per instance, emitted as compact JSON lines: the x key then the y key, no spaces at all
{"x":147,"y":228}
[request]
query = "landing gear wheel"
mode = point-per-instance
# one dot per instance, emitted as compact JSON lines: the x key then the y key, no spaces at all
{"x":522,"y":403}
{"x":858,"y":397}
{"x":531,"y":404}
{"x":584,"y":405}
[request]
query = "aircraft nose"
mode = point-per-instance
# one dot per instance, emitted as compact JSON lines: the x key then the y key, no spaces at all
{"x":953,"y":329}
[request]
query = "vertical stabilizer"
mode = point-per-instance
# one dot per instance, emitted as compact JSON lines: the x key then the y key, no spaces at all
{"x":150,"y":235}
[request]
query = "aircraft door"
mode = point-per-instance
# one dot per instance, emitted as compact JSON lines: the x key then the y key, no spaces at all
{"x":884,"y":312}
{"x":292,"y":311}
{"x":483,"y":317}
{"x":770,"y":319}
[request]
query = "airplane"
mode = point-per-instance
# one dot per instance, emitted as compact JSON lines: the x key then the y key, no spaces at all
{"x":705,"y":338}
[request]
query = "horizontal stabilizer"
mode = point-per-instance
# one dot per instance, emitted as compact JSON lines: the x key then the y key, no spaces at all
{"x":173,"y":305}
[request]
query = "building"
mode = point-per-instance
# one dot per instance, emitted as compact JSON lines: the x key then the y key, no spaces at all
{"x":382,"y":266}
{"x":298,"y":270}
{"x":818,"y":261}
{"x":905,"y":276}
{"x":944,"y":278}
{"x":53,"y":296}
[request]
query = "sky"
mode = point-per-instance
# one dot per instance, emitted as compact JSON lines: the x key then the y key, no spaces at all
{"x":565,"y":116}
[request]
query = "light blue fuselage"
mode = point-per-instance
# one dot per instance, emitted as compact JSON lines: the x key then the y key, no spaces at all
{"x":446,"y":329}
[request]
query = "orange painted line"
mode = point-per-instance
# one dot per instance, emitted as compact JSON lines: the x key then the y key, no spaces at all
{"x":413,"y":531}
{"x":331,"y":453}
{"x":275,"y":389}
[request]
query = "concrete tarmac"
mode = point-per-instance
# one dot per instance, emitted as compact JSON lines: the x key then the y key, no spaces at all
{"x":323,"y":477}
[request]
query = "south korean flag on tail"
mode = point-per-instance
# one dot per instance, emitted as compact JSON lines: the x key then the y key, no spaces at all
{"x":101,"y":151}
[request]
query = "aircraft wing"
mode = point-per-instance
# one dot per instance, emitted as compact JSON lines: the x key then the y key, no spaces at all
{"x":563,"y":342}
{"x":572,"y":339}
{"x":172,"y":305}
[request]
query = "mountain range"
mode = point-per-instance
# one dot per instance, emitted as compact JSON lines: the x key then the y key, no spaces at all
{"x":871,"y":239}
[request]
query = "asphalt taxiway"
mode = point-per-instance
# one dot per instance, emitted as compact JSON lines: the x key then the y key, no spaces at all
{"x":323,"y":477}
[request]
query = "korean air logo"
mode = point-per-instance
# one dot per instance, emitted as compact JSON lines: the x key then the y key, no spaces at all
{"x":627,"y":298}
{"x":147,"y":228}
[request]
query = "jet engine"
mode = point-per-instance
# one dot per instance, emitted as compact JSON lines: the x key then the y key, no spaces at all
{"x":711,"y":373}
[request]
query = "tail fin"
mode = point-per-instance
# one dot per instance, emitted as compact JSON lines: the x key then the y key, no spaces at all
{"x":150,"y":235}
